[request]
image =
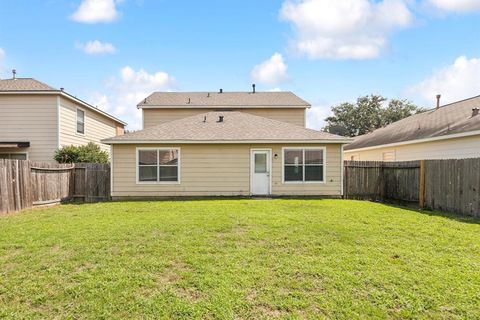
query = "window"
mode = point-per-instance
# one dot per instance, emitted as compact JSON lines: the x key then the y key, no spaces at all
{"x":13,"y":156}
{"x":303,"y":165}
{"x":260,"y":162}
{"x":80,"y":121}
{"x":388,"y":155}
{"x":158,"y":165}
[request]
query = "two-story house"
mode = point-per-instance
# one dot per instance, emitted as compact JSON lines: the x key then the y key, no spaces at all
{"x":225,"y":144}
{"x":36,"y":119}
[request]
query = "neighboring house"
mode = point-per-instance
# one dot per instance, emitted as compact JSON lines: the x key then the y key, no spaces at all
{"x":36,"y":119}
{"x":225,"y":144}
{"x":448,"y":132}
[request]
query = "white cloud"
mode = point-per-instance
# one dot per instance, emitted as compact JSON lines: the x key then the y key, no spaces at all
{"x":127,"y":89}
{"x":455,"y":82}
{"x":456,"y":5}
{"x":271,"y":72}
{"x":316,"y":116}
{"x":96,"y":47}
{"x":346,"y":29}
{"x":96,"y":11}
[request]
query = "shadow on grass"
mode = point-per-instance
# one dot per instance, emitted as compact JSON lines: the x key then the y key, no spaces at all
{"x":449,"y":215}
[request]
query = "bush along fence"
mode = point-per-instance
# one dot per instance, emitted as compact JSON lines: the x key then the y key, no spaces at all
{"x":447,"y":185}
{"x":26,"y":184}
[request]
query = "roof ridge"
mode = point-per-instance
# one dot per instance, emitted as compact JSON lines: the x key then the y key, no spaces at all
{"x":223,"y":92}
{"x":17,"y":78}
{"x":452,"y":103}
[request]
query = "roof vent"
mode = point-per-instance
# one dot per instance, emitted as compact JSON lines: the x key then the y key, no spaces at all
{"x":438,"y":101}
{"x":221,"y":90}
{"x":188,"y":101}
{"x":208,"y":95}
{"x":253,"y":88}
{"x":14,"y":74}
{"x":61,"y":89}
{"x":220,"y":119}
{"x":475,"y":112}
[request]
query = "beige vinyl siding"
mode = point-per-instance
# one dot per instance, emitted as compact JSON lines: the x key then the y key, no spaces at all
{"x":218,"y":170}
{"x":457,"y":148}
{"x":30,"y":118}
{"x":153,"y":117}
{"x":294,"y":116}
{"x":97,"y":126}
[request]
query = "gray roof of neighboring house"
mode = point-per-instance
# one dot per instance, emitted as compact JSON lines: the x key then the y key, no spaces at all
{"x":449,"y":119}
{"x":24,"y":84}
{"x":30,"y":85}
{"x":225,"y":99}
{"x":236,"y":127}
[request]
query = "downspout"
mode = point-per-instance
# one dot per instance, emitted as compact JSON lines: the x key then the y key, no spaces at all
{"x":111,"y":170}
{"x":58,"y":121}
{"x":342,"y":170}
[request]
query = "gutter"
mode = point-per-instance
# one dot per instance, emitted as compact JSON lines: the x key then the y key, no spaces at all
{"x":330,"y":141}
{"x":191,"y":106}
{"x":432,"y":139}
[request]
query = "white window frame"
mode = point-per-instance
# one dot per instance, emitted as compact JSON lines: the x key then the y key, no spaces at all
{"x":84,"y":121}
{"x":393,"y":152}
{"x":138,"y":149}
{"x":324,"y":149}
{"x":25,"y":153}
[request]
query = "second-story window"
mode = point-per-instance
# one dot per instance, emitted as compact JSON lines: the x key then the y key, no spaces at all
{"x":80,"y":121}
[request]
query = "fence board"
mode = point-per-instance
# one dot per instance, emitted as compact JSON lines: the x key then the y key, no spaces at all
{"x":24,"y":184}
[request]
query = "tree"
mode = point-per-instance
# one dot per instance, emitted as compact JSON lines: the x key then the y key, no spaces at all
{"x":368,"y":114}
{"x":399,"y":109}
{"x":90,"y":153}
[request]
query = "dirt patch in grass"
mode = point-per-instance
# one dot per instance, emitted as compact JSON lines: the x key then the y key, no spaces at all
{"x":268,"y":311}
{"x":189,"y":294}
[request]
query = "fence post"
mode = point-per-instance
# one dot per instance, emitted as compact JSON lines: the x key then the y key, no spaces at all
{"x":345,"y":180}
{"x":421,"y":196}
{"x":382,"y":182}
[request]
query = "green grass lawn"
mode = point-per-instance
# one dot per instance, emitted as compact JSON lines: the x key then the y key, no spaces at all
{"x":238,"y":259}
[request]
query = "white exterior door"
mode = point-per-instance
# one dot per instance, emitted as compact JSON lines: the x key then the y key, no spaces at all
{"x":260,"y":168}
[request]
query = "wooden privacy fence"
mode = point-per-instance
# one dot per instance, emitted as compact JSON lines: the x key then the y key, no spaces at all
{"x":448,"y":185}
{"x":25,"y":184}
{"x":453,"y":186}
{"x":376,"y":180}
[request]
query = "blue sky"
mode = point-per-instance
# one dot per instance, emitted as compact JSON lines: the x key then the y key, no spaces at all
{"x":114,"y":53}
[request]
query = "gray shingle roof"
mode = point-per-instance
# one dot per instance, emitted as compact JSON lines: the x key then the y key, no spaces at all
{"x":236,"y":127}
{"x":453,"y":118}
{"x":24,"y":84}
{"x":237,"y":99}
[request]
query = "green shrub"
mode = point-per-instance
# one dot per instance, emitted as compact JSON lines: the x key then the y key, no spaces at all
{"x":90,"y":152}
